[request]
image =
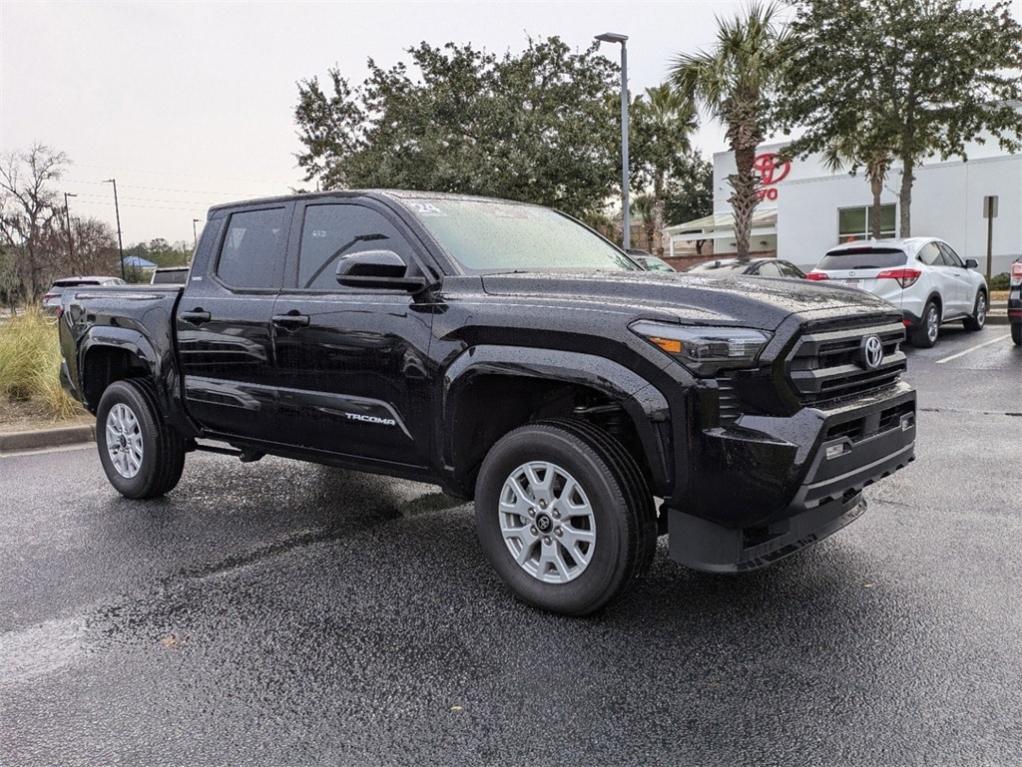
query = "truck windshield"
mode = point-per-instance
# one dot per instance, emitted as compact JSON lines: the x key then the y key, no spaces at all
{"x":490,"y":236}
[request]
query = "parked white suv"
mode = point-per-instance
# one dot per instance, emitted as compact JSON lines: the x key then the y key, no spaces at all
{"x":921,"y":276}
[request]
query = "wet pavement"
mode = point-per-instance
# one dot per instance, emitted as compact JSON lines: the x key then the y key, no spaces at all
{"x":280,"y":613}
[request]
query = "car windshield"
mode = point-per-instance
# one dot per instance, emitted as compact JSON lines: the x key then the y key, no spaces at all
{"x":489,"y":236}
{"x":863,"y":258}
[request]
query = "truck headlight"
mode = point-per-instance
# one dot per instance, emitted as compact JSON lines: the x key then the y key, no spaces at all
{"x":705,"y":350}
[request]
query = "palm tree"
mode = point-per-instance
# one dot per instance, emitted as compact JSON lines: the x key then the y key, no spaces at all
{"x":644,"y":207}
{"x":871,"y":147}
{"x":664,"y":119}
{"x":734,"y":82}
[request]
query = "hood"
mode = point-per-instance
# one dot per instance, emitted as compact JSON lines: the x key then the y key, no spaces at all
{"x":694,"y":298}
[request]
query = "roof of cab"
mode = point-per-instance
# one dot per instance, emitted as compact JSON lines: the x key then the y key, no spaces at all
{"x":396,"y":194}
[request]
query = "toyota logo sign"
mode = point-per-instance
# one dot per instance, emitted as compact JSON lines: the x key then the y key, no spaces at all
{"x":872,"y":352}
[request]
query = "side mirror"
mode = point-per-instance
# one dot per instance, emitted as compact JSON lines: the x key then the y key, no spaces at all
{"x":971,"y":263}
{"x":382,"y":269}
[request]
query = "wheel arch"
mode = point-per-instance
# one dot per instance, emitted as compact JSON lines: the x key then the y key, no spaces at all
{"x":490,"y":390}
{"x":107,"y":354}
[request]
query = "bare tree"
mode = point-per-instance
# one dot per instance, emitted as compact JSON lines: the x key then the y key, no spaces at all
{"x":29,"y":211}
{"x":95,"y":250}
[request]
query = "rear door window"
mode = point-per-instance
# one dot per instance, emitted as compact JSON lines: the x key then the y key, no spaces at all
{"x":768,"y":269}
{"x":863,"y":258}
{"x":252,"y":254}
{"x":950,"y":257}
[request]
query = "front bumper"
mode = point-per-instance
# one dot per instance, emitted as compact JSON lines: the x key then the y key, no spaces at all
{"x":771,"y":486}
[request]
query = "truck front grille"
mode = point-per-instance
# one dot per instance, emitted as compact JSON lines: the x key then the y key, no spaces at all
{"x":827,"y":366}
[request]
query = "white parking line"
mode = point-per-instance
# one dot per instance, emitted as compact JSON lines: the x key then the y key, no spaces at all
{"x":971,"y":350}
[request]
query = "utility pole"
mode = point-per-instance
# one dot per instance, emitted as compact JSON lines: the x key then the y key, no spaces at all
{"x":117,"y":212}
{"x":195,"y":236}
{"x":626,"y":223}
{"x":70,"y":236}
{"x":990,"y":213}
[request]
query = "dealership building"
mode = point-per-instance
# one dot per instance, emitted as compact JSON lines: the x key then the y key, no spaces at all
{"x":806,"y":209}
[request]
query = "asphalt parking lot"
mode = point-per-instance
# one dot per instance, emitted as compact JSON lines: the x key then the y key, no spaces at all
{"x":279,"y":613}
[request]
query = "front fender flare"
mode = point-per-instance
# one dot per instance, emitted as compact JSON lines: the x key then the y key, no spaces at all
{"x":645,"y":405}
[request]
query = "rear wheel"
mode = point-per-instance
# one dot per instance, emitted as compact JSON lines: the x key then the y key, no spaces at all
{"x":925,"y":334}
{"x":1016,"y":333}
{"x":979,"y":313}
{"x":564,"y":516}
{"x":141,"y":455}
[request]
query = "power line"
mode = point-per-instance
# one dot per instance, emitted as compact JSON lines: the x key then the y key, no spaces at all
{"x":165,"y":188}
{"x":122,"y":169}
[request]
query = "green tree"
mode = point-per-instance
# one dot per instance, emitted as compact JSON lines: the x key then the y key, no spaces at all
{"x":537,"y":126}
{"x":735,"y":82}
{"x":662,"y":122}
{"x":905,"y":79}
{"x":689,"y":193}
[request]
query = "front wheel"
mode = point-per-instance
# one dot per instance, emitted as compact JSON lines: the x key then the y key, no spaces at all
{"x":925,"y":334}
{"x":979,"y":313}
{"x":564,"y":516}
{"x":142,"y":456}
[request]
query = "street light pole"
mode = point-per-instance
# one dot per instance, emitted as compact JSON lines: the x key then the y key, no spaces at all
{"x":117,"y":212}
{"x":626,"y":224}
{"x":195,"y":236}
{"x":70,"y":236}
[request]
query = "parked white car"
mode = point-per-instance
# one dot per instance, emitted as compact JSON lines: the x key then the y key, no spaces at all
{"x":921,"y":276}
{"x":51,"y":301}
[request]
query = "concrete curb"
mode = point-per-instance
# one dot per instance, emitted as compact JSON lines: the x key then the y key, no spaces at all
{"x":41,"y":438}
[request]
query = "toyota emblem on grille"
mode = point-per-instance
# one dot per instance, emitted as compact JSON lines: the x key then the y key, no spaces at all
{"x":872,"y":352}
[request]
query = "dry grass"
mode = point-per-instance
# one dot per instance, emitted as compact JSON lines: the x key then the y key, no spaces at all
{"x":29,"y":366}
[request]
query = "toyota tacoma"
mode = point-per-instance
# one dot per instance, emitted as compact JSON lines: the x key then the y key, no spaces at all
{"x":512,"y":356}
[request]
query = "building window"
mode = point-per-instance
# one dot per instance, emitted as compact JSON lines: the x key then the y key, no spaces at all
{"x":854,"y":223}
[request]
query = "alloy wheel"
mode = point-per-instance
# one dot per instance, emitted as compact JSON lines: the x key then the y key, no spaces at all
{"x":932,"y":324}
{"x":547,"y":522}
{"x":124,"y":440}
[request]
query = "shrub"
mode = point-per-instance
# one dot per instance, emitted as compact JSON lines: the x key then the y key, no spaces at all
{"x":1000,"y":281}
{"x":30,"y":364}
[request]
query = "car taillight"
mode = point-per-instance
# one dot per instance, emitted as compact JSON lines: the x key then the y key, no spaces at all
{"x":1016,"y":271}
{"x":905,"y":277}
{"x":48,"y":296}
{"x":817,"y":276}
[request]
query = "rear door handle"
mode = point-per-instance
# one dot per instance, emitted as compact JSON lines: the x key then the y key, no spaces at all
{"x":195,"y":316}
{"x":291,"y":320}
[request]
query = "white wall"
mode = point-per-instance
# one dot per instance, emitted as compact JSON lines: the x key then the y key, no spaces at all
{"x":946,"y":203}
{"x":807,"y":214}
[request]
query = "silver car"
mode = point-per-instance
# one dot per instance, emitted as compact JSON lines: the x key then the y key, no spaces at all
{"x":51,"y":301}
{"x":921,"y":276}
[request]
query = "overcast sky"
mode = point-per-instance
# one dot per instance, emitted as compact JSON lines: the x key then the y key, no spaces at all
{"x":188,"y":104}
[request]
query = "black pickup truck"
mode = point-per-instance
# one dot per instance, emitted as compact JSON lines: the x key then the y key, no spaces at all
{"x":512,"y":356}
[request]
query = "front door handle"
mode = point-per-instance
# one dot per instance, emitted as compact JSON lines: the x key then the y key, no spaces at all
{"x":196,"y":316}
{"x":291,"y":320}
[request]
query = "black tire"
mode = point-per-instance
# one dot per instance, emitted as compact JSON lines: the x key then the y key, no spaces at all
{"x":163,"y":449}
{"x":625,"y":521}
{"x":977,"y":320}
{"x":920,"y":336}
{"x":1016,"y":333}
